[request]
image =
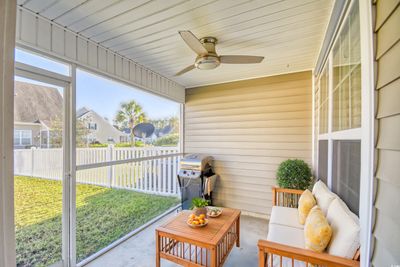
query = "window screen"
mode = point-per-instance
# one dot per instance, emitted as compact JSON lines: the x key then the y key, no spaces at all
{"x":323,"y":160}
{"x":346,"y":172}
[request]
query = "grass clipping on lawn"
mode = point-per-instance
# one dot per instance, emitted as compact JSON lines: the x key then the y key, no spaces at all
{"x":103,"y":216}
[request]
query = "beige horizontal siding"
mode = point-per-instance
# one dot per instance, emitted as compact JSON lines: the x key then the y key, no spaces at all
{"x":252,"y":117}
{"x":384,"y":9}
{"x":249,"y":127}
{"x":389,"y":34}
{"x":288,"y":138}
{"x":386,"y":230}
{"x":386,"y":105}
{"x":389,"y":66}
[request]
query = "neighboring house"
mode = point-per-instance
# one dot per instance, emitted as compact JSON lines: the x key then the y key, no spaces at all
{"x":100,"y":129}
{"x":35,"y":107}
{"x":38,"y":116}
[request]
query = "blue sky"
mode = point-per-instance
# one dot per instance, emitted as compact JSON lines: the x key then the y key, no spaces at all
{"x":104,"y":95}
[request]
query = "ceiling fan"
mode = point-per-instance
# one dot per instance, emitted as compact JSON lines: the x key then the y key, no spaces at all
{"x":207,"y":58}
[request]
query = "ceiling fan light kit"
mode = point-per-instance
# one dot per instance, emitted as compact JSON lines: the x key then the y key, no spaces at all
{"x":207,"y":58}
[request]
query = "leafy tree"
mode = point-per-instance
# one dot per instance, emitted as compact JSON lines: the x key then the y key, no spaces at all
{"x":56,"y":132}
{"x":173,"y":121}
{"x":129,"y":115}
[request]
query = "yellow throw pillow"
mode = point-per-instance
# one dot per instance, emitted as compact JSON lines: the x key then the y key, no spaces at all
{"x":306,"y":202}
{"x":317,"y":232}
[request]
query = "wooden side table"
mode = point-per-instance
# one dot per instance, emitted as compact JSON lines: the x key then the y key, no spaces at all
{"x":208,"y":246}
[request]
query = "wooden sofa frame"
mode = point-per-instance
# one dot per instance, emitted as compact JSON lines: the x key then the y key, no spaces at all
{"x":289,"y":198}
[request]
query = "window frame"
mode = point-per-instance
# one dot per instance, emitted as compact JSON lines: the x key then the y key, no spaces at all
{"x":20,"y":131}
{"x":331,"y":135}
{"x":366,"y":133}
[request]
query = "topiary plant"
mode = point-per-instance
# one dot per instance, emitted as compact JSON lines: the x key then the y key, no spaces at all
{"x":294,"y":173}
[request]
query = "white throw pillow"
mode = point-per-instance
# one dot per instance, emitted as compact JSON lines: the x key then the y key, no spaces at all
{"x":323,"y":195}
{"x":345,"y":230}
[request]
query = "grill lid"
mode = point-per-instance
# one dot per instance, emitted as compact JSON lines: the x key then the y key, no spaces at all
{"x":197,"y":162}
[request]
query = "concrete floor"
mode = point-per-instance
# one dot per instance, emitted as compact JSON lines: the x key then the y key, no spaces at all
{"x":139,"y":250}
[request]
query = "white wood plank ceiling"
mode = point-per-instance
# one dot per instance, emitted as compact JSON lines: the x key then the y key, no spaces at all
{"x":287,"y":32}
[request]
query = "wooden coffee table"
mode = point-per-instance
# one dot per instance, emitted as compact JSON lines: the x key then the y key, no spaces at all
{"x":207,"y":246}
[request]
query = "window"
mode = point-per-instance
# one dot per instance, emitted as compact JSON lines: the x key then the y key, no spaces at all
{"x":346,"y":172}
{"x":347,"y":76}
{"x":338,"y":113}
{"x":323,"y":113}
{"x":92,"y":126}
{"x":22,"y":137}
{"x":323,"y":161}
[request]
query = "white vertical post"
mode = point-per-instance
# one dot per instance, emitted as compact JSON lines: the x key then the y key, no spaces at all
{"x":164,"y":173}
{"x":7,"y":45}
{"x":32,"y":161}
{"x":109,"y":157}
{"x":140,"y":152}
{"x":174,"y":174}
{"x":169,"y":179}
{"x":151,"y":172}
{"x":159,"y":173}
{"x":70,"y":207}
{"x":313,"y":163}
{"x":368,"y":125}
{"x":330,"y":119}
{"x":145,"y":176}
{"x":182,"y":129}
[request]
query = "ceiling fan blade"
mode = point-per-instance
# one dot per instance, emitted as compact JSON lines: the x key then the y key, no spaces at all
{"x":194,"y":43}
{"x":233,"y":59}
{"x":189,"y":68}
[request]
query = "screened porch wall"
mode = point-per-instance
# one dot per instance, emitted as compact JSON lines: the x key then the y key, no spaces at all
{"x":249,"y":127}
{"x":386,"y":228}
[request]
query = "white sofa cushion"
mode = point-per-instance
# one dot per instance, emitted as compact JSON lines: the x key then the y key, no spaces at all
{"x":323,"y":195}
{"x":286,"y":235}
{"x":285,"y":216}
{"x":345,"y":230}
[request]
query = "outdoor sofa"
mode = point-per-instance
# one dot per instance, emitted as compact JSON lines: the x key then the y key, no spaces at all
{"x":285,"y":244}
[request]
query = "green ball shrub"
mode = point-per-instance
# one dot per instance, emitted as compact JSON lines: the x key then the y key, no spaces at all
{"x":294,"y":173}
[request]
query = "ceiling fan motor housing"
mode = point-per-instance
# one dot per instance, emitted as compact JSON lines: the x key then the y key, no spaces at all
{"x":207,"y":62}
{"x":211,"y":60}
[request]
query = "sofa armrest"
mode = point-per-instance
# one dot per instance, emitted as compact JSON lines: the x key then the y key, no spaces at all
{"x":286,"y":197}
{"x":301,"y":255}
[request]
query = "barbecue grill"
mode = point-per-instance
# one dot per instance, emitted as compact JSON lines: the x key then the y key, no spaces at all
{"x":196,"y":178}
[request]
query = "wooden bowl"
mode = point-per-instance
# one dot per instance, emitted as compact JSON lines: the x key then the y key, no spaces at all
{"x":198,"y":225}
{"x":218,"y":209}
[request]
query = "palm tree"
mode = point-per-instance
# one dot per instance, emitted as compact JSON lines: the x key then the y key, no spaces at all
{"x":129,"y":115}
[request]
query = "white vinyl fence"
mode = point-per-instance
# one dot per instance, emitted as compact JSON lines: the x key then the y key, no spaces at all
{"x":155,"y":176}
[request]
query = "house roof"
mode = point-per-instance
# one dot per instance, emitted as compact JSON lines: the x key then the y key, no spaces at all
{"x":33,"y":103}
{"x":82,"y":111}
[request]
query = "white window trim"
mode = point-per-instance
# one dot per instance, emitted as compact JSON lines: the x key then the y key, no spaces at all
{"x":367,"y":131}
{"x":42,"y":75}
{"x":349,"y":134}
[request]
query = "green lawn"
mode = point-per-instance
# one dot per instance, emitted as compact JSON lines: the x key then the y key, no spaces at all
{"x":103,"y":216}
